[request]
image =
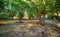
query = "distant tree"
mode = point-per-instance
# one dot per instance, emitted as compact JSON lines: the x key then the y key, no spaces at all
{"x":57,"y":6}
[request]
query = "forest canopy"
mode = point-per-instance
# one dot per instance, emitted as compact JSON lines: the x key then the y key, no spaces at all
{"x":10,"y":9}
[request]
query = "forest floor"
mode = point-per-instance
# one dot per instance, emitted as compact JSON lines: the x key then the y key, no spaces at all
{"x":29,"y":28}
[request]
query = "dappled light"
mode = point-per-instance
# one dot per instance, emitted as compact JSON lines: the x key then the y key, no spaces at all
{"x":29,"y":25}
{"x":58,"y":25}
{"x":29,"y":18}
{"x":14,"y":17}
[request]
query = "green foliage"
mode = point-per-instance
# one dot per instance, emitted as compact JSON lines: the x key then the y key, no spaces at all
{"x":34,"y":8}
{"x":4,"y":16}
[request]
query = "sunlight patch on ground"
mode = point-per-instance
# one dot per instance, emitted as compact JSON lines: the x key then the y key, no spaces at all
{"x":29,"y":25}
{"x":4,"y":22}
{"x":58,"y":25}
{"x":8,"y":22}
